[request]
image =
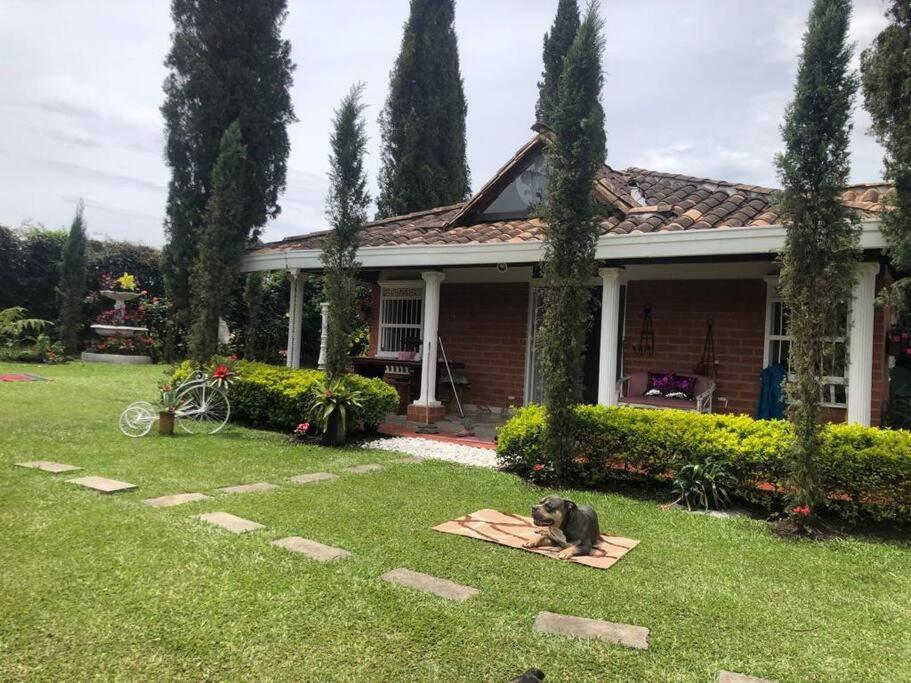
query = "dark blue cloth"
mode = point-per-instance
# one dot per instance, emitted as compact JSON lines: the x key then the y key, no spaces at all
{"x":771,"y":403}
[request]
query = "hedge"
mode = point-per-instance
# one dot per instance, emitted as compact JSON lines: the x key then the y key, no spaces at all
{"x":269,"y":395}
{"x":865,"y":472}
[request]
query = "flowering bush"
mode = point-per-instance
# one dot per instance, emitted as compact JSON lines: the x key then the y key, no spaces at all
{"x":124,"y":283}
{"x":121,"y":316}
{"x":301,"y":432}
{"x":169,"y":401}
{"x":124,"y":346}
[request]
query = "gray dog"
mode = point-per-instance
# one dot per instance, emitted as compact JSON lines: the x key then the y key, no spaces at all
{"x":567,"y":525}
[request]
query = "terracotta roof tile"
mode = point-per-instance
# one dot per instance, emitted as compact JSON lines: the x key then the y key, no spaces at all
{"x":675,"y":202}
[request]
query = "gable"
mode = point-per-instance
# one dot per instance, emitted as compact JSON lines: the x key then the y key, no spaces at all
{"x":523,"y":194}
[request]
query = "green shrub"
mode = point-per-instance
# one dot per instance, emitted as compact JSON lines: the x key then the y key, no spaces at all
{"x":866,"y":472}
{"x":274,"y":396}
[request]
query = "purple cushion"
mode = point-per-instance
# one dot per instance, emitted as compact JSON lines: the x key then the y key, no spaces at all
{"x":683,"y":384}
{"x":662,"y":381}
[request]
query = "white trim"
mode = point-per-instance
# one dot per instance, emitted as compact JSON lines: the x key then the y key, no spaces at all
{"x":773,"y":296}
{"x":608,"y":371}
{"x":860,"y":350}
{"x":392,"y":284}
{"x":681,"y":243}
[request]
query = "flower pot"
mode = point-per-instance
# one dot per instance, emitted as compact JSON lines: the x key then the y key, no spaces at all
{"x":335,"y":434}
{"x":165,"y":422}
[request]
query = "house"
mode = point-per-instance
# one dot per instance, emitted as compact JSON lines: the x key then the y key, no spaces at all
{"x":687,"y":276}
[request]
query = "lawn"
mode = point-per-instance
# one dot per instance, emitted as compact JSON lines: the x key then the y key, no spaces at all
{"x":105,"y":587}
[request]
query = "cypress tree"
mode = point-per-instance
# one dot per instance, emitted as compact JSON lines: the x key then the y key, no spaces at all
{"x":423,"y":120}
{"x":227,"y":63}
{"x":574,"y":157}
{"x":346,"y":208}
{"x":886,"y":79}
{"x":72,"y":283}
{"x":221,"y":243}
{"x":820,"y":255}
{"x":253,"y":302}
{"x":556,"y":44}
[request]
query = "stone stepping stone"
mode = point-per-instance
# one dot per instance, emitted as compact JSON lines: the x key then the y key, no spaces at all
{"x":409,"y":460}
{"x":312,"y":549}
{"x":364,"y":469}
{"x":103,"y":485}
{"x":619,"y":634}
{"x":430,"y":584}
{"x":731,"y":677}
{"x":311,"y":477}
{"x":249,"y":488}
{"x":48,"y":466}
{"x":229,"y":522}
{"x":176,"y":499}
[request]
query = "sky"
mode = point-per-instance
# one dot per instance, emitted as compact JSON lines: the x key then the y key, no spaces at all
{"x":691,"y":86}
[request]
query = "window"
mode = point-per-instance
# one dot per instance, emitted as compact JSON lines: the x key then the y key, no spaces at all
{"x":401,"y":318}
{"x":834,"y":370}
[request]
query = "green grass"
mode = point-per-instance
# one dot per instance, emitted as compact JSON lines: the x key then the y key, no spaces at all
{"x":102,"y":587}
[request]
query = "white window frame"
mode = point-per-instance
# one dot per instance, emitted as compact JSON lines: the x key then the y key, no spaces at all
{"x":773,"y":296}
{"x":415,"y":291}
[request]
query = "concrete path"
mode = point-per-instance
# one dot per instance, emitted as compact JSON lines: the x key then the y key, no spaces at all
{"x":176,"y":499}
{"x":312,"y":549}
{"x":103,"y":485}
{"x":229,"y":522}
{"x":249,"y":488}
{"x":48,"y":466}
{"x":364,"y":469}
{"x":578,"y":627}
{"x":311,"y":477}
{"x":731,"y":677}
{"x":430,"y":584}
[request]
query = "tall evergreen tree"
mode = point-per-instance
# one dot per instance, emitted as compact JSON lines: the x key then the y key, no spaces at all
{"x":221,"y":242}
{"x":556,"y":44}
{"x":423,"y":121}
{"x":227,"y":63}
{"x":574,"y":157}
{"x":72,"y":283}
{"x":346,"y":207}
{"x":819,"y":260}
{"x":886,"y":78}
{"x":253,"y":303}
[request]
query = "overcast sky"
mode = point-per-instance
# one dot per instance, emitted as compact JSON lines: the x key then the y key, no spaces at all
{"x":692,"y":86}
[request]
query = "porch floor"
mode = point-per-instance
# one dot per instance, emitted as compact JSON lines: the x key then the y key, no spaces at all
{"x":484,"y":428}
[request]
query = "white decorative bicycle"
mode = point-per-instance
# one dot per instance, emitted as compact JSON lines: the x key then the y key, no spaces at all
{"x":202,"y":408}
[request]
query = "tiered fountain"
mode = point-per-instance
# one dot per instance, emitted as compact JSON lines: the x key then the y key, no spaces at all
{"x":117,"y":332}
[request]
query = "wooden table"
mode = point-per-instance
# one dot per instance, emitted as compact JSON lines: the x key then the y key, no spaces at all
{"x":372,"y":366}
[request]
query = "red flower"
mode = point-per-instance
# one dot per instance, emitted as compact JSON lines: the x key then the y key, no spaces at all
{"x":221,"y":372}
{"x":328,"y":393}
{"x":538,"y":467}
{"x":801,"y":510}
{"x":896,"y":338}
{"x":233,"y":356}
{"x":581,"y":460}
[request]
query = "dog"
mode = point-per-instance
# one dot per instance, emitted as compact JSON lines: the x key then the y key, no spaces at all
{"x":565,"y":524}
{"x":531,"y":676}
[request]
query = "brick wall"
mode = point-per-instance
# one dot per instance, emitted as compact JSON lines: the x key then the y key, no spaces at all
{"x":485,"y":326}
{"x":680,"y":309}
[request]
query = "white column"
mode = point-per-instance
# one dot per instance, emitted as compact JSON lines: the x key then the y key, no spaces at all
{"x":428,"y":397}
{"x":295,"y":318}
{"x":860,"y":344}
{"x":324,"y":335}
{"x":610,"y":323}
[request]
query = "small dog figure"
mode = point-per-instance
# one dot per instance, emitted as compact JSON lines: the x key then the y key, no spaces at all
{"x":531,"y":676}
{"x":567,"y":525}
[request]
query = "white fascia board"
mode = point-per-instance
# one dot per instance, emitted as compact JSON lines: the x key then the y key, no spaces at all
{"x":683,"y":243}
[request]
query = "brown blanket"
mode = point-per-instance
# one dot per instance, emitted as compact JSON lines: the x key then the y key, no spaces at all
{"x":513,"y":531}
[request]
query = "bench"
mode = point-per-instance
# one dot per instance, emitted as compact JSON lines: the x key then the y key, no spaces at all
{"x":634,"y":386}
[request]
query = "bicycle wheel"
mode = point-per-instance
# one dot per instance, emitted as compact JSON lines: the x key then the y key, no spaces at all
{"x":203,"y":409}
{"x":136,"y":419}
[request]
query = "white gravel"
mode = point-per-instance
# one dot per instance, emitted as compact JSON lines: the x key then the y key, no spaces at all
{"x":440,"y":450}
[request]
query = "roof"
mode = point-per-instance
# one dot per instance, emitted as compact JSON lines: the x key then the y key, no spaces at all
{"x":673,"y":202}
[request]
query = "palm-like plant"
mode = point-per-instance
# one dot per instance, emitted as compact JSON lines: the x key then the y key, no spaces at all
{"x":14,"y":326}
{"x":329,"y":404}
{"x":703,"y":484}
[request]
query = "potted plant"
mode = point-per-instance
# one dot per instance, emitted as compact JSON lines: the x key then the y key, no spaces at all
{"x":412,"y":345}
{"x":329,"y":406}
{"x":169,"y":405}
